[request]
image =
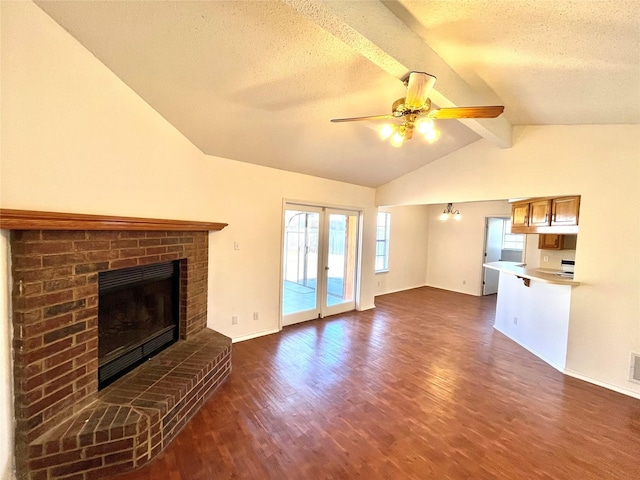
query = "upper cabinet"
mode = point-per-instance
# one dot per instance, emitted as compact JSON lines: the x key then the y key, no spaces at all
{"x":565,"y":211}
{"x":554,"y":241}
{"x":520,"y":215}
{"x":540,"y":213}
{"x":550,"y":241}
{"x":557,"y":215}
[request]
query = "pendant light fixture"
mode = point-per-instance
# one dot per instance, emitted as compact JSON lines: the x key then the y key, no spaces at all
{"x":450,"y":212}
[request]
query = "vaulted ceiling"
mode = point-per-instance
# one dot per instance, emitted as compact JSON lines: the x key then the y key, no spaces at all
{"x":258,"y":81}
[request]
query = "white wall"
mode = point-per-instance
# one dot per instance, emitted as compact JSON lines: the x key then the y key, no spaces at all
{"x":537,"y":316}
{"x":455,"y":248}
{"x":409,"y":229}
{"x":247,"y":280}
{"x":426,"y":251}
{"x":6,"y":385}
{"x":76,"y":139}
{"x":532,"y":252}
{"x":600,"y":163}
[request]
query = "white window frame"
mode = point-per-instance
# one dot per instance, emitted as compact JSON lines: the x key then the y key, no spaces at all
{"x":511,"y":238}
{"x":382,"y":237}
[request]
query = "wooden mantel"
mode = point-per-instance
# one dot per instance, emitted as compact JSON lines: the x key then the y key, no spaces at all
{"x":35,"y":220}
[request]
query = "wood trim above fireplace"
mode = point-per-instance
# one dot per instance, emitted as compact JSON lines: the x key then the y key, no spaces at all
{"x":35,"y":220}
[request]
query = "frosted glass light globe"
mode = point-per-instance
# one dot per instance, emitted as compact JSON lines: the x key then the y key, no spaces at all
{"x":387,"y":130}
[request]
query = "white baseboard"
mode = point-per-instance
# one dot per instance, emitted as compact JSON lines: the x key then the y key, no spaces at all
{"x":624,"y":391}
{"x":571,"y":373}
{"x":387,"y":292}
{"x":558,"y":367}
{"x":449,"y":289}
{"x":254,"y":335}
{"x":366,"y":307}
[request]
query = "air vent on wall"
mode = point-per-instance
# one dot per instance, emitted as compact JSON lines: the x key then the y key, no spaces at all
{"x":634,"y":374}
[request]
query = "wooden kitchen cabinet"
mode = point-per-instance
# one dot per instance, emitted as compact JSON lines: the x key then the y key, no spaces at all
{"x":519,"y":215}
{"x":550,"y":241}
{"x":549,"y":215}
{"x":540,"y":213}
{"x":565,"y":211}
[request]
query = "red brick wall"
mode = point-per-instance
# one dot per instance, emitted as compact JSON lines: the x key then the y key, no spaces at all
{"x":55,"y":309}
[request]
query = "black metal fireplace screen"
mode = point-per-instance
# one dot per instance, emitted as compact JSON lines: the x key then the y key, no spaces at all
{"x":138,"y":314}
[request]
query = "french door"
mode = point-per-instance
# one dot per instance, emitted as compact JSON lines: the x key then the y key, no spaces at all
{"x":319,"y":262}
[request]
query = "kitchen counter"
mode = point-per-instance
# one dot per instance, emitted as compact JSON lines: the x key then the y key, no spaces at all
{"x":533,"y":307}
{"x":537,"y":274}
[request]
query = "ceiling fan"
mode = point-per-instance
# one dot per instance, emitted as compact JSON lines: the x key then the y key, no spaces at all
{"x":416,"y":113}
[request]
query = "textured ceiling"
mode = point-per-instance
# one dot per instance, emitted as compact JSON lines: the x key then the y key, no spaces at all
{"x":551,"y":62}
{"x":258,"y":81}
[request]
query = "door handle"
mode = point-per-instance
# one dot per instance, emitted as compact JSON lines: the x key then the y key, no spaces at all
{"x":326,"y":268}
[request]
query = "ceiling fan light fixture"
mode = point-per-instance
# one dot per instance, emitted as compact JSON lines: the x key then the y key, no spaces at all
{"x":425,"y":125}
{"x":397,"y":139}
{"x":419,"y":86}
{"x":387,"y":130}
{"x":416,"y":113}
{"x":432,"y":135}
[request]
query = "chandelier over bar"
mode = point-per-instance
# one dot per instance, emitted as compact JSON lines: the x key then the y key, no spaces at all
{"x":450,"y":212}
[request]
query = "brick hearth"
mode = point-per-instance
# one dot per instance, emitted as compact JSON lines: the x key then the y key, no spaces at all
{"x":65,"y":428}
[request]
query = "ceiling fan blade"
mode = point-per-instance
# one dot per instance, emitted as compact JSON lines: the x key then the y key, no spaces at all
{"x":467,"y":112}
{"x":419,"y":87}
{"x":358,"y":119}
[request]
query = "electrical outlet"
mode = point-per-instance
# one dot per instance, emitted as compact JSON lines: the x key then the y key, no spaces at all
{"x":236,"y":245}
{"x":255,"y":315}
{"x":515,"y":320}
{"x":234,"y":320}
{"x":545,"y":258}
{"x":464,"y":282}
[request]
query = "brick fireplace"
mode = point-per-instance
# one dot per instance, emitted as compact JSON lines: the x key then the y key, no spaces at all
{"x":65,"y":427}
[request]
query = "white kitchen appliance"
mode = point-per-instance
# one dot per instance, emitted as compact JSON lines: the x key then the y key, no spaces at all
{"x":567,"y":267}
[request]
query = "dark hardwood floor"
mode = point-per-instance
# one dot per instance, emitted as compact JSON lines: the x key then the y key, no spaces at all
{"x":422,"y":387}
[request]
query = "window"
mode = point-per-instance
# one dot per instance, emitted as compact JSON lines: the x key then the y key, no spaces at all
{"x":511,"y":241}
{"x":382,"y":242}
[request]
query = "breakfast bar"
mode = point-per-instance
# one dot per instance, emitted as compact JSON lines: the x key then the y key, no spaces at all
{"x":533,"y":307}
{"x":545,"y":275}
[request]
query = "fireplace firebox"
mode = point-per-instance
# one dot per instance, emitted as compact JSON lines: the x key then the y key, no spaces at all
{"x":138,"y":316}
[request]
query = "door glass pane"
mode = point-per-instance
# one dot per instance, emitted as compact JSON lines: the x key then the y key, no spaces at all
{"x":342,"y":260}
{"x":300,"y":261}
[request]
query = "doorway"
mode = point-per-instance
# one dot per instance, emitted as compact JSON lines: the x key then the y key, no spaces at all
{"x":499,"y":244}
{"x":319,"y":262}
